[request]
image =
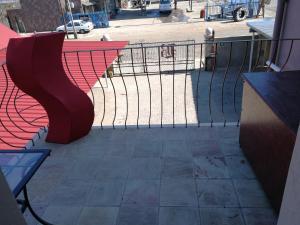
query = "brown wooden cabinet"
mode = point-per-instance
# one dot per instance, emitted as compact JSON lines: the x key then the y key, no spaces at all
{"x":269,"y":123}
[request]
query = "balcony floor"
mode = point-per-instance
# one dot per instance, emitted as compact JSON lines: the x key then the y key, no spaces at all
{"x":176,"y":176}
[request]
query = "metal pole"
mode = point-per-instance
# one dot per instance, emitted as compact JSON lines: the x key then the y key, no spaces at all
{"x":69,"y":7}
{"x":251,"y":52}
{"x":63,"y":16}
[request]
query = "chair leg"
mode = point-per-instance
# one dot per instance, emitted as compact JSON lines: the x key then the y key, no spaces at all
{"x":31,"y":209}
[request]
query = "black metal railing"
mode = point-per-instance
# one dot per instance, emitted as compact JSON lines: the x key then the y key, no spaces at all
{"x":189,"y":84}
{"x":21,"y":117}
{"x":175,"y":84}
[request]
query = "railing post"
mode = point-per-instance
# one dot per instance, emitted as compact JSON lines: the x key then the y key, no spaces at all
{"x":143,"y":57}
{"x":251,"y":52}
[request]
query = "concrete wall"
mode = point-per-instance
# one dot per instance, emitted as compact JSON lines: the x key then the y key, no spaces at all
{"x":289,"y":214}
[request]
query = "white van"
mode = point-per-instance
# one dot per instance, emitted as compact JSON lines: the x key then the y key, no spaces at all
{"x":166,"y":5}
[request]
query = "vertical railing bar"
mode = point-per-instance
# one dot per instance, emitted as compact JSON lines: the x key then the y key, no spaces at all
{"x":259,"y":54}
{"x":194,"y":52}
{"x":186,"y":71}
{"x":161,"y":89}
{"x":271,"y":59}
{"x":15,"y":106}
{"x":289,"y":55}
{"x":2,"y":100}
{"x":150,"y":92}
{"x":210,"y":84}
{"x":223,"y":82}
{"x":68,"y":68}
{"x":137,"y":90}
{"x":126,"y":93}
{"x":81,"y":72}
{"x":6,"y":86}
{"x":237,"y":79}
{"x":143,"y":57}
{"x":114,"y":90}
{"x":197,"y":88}
{"x":102,"y":88}
{"x":7,"y":113}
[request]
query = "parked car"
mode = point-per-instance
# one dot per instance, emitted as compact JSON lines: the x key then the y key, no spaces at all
{"x":80,"y":26}
{"x":166,"y":5}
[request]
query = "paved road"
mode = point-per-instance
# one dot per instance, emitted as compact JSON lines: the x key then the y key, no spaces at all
{"x":134,"y":26}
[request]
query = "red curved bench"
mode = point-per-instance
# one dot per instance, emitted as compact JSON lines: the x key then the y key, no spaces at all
{"x":35,"y":66}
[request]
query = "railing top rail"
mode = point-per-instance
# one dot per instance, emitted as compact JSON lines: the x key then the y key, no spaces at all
{"x":187,"y":44}
{"x":160,"y":42}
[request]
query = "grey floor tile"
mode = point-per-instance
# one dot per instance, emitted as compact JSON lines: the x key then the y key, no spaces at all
{"x":177,"y":168}
{"x":112,"y":168}
{"x":216,"y":193}
{"x":39,"y":209}
{"x":106,"y":193}
{"x":62,"y":215}
{"x":40,"y":190}
{"x":120,"y":149}
{"x":148,"y":149}
{"x":178,"y":192}
{"x":194,"y":133}
{"x":204,"y":148}
{"x":98,"y":215}
{"x":176,"y":149}
{"x":177,"y":134}
{"x":228,"y":132}
{"x":250,"y":193}
{"x":137,"y":215}
{"x":145,"y":168}
{"x":142,"y":192}
{"x":70,"y":193}
{"x":54,"y":168}
{"x":83,"y":169}
{"x":210,"y":167}
{"x":239,"y":168}
{"x":230,"y":146}
{"x":178,"y":216}
{"x":91,"y":148}
{"x":221,"y":216}
{"x":259,"y":216}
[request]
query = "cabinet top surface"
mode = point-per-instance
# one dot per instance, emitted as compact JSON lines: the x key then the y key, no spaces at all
{"x":281,"y":92}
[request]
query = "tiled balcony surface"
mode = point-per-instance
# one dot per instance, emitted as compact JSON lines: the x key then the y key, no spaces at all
{"x":157,"y":176}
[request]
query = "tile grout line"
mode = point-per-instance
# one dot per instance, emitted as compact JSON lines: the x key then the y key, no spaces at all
{"x":160,"y":176}
{"x":240,"y":207}
{"x":124,"y":189}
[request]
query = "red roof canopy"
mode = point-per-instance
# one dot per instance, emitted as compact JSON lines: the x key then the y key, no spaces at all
{"x":5,"y":35}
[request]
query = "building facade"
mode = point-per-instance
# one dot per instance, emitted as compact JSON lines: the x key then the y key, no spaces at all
{"x":45,"y":15}
{"x":39,"y":15}
{"x":3,"y":11}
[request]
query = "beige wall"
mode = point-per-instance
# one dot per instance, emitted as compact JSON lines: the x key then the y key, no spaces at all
{"x":290,"y":208}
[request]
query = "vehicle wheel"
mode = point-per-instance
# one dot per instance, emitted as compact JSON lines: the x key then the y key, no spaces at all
{"x":81,"y":31}
{"x":240,"y":14}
